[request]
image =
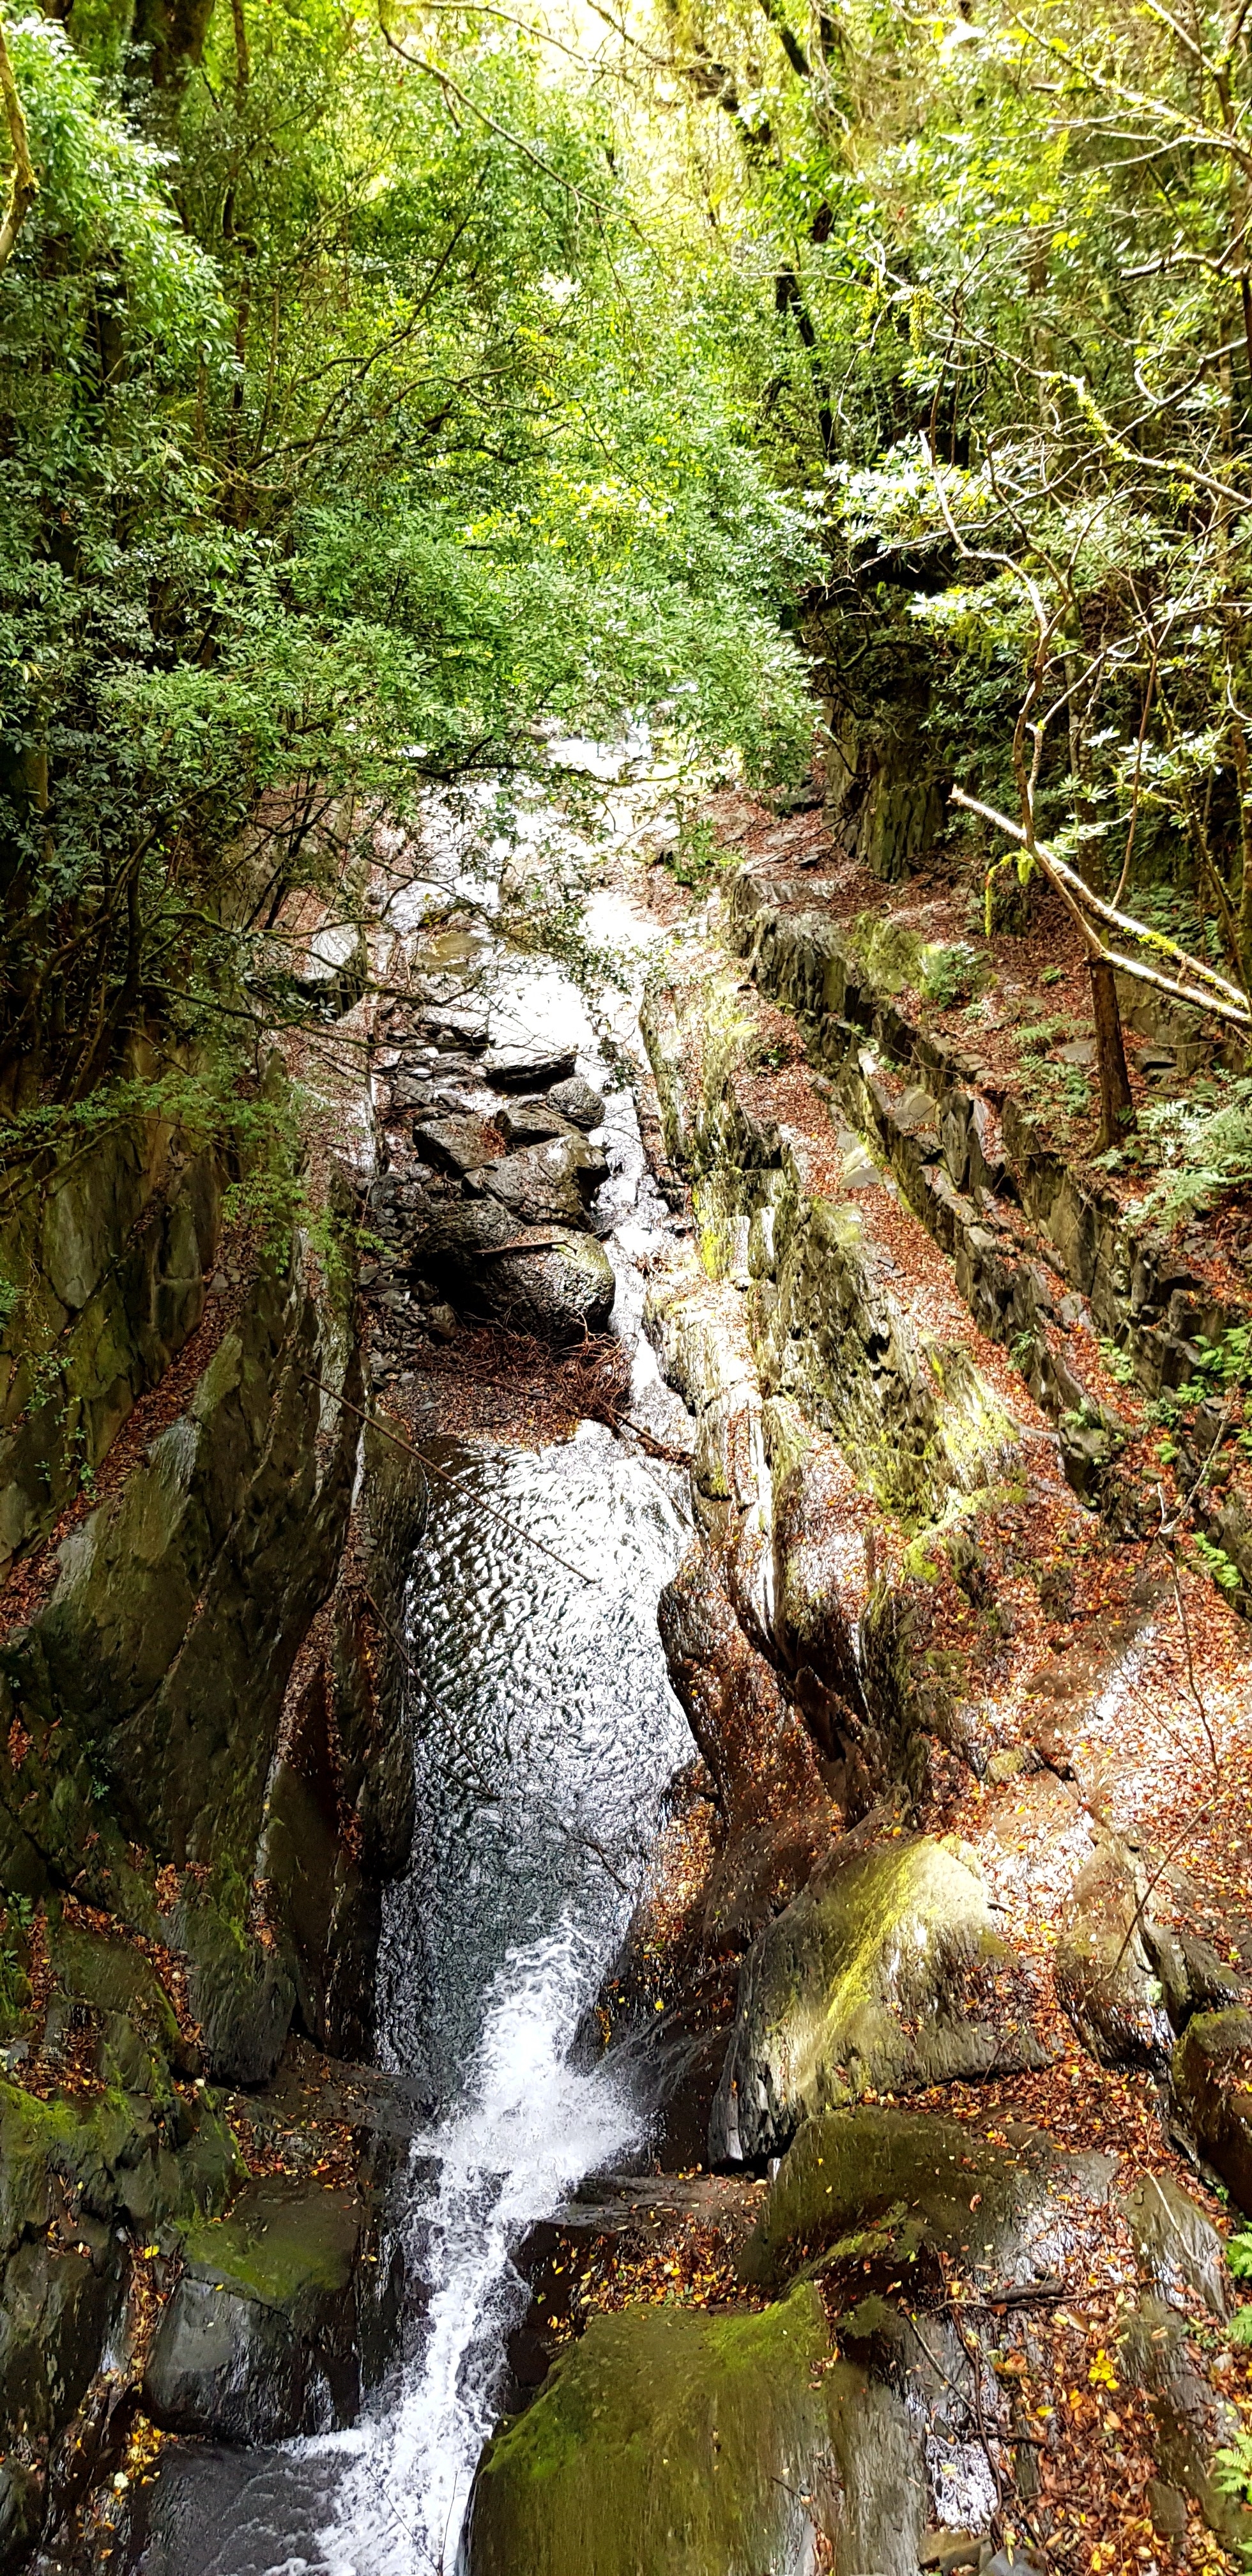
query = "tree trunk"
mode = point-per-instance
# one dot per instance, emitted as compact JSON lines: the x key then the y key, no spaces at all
{"x":1117,"y":1108}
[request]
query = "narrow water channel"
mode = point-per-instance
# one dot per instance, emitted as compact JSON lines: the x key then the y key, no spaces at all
{"x":548,"y":1737}
{"x":544,"y":1734}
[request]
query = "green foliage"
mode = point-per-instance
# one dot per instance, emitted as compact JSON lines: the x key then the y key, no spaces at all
{"x":1239,"y":2254}
{"x":949,"y":974}
{"x":1216,"y":1562}
{"x":1204,"y":1144}
{"x":1232,"y":2468}
{"x":350,"y":440}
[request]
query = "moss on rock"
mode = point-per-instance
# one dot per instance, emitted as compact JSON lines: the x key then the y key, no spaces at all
{"x":670,"y":2443}
{"x":883,"y":1975}
{"x":895,"y":2186}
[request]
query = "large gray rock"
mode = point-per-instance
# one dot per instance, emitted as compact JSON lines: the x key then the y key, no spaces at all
{"x":1212,"y":2086}
{"x":1179,"y":2249}
{"x":701,"y":2445}
{"x":478,"y":1250}
{"x":888,"y":2188}
{"x":458,"y":1144}
{"x":527,"y":1067}
{"x":260,"y":2340}
{"x":1106,"y":1980}
{"x":578,"y":1101}
{"x":884,"y":1975}
{"x":549,"y":1183}
{"x":57,"y":2312}
{"x":532,"y":1122}
{"x":1191,"y":2421}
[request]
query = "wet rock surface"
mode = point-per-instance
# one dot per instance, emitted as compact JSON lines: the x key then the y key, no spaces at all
{"x":263,"y":2336}
{"x":699,"y":2444}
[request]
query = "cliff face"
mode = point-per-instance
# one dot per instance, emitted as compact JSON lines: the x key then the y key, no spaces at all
{"x":201,"y":1796}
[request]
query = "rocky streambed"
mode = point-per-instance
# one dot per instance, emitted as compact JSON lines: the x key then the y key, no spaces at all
{"x":627,"y":1931}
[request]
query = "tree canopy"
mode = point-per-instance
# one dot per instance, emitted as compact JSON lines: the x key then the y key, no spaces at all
{"x":375,"y":392}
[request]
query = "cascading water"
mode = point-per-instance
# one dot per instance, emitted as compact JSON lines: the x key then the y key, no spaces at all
{"x":497,"y":1938}
{"x":544,"y":1734}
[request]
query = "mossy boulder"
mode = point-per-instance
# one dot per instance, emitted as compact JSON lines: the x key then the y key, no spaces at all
{"x":139,"y":2039}
{"x":1212,"y":2084}
{"x":149,"y":1687}
{"x":671,"y":2443}
{"x":883,"y":1975}
{"x":260,"y":2340}
{"x":112,"y":2158}
{"x":886,"y":2187}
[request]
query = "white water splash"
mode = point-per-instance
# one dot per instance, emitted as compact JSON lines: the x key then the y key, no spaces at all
{"x":531,"y":2127}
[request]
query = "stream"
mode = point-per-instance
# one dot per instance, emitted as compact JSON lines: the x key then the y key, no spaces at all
{"x":544,"y":1734}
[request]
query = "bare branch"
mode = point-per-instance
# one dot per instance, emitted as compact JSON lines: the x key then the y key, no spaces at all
{"x":1224,"y":999}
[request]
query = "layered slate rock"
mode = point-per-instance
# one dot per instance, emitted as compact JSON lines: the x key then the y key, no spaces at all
{"x":260,"y":2340}
{"x":883,"y":1975}
{"x":1212,"y":2084}
{"x":528,"y":1067}
{"x":670,"y":2442}
{"x":887,"y":2188}
{"x":532,"y":1122}
{"x":1105,"y":1979}
{"x":459,"y":1144}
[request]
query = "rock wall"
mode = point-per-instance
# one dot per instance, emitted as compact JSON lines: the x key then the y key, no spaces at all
{"x":106,"y":1259}
{"x":1023,"y":1233}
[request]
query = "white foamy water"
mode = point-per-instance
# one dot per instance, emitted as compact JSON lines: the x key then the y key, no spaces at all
{"x":531,"y":2128}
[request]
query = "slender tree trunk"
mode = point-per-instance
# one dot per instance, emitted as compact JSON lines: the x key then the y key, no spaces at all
{"x":1117,"y":1108}
{"x":25,"y":186}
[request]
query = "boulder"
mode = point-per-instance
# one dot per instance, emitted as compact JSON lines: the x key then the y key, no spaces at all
{"x":115,"y":1980}
{"x":56,"y":2316}
{"x":578,"y":1101}
{"x":21,"y":2513}
{"x":549,"y":1183}
{"x":527,"y":1067}
{"x":458,"y":1144}
{"x":260,"y":2340}
{"x":477,"y":1248}
{"x":701,"y":2445}
{"x":1212,"y":2084}
{"x":560,"y":1292}
{"x":883,"y":1975}
{"x":869,"y":2188}
{"x":773,"y":1813}
{"x":1191,"y":2421}
{"x":1106,"y":1981}
{"x":532,"y":1122}
{"x":1179,"y":2249}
